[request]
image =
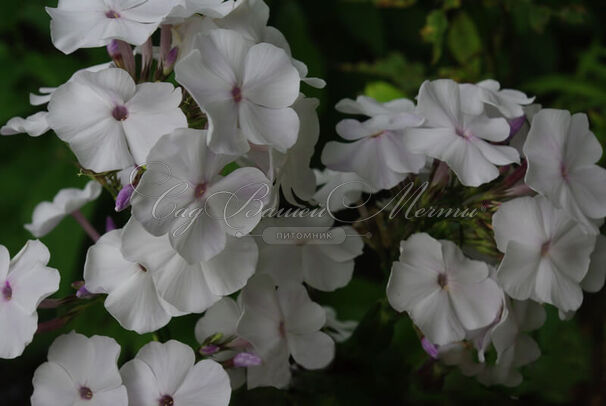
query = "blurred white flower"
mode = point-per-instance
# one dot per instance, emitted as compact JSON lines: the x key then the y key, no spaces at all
{"x":133,"y":297}
{"x":367,"y":106}
{"x":562,"y":153}
{"x":464,"y":141}
{"x":48,"y":215}
{"x":378,"y":153}
{"x":109,"y":121}
{"x":212,"y":8}
{"x":596,"y":275}
{"x":183,"y":194}
{"x":294,"y":176}
{"x":339,"y":190}
{"x":247,"y":90}
{"x":166,"y":374}
{"x":94,"y":23}
{"x":509,"y":102}
{"x":80,"y":371}
{"x":547,"y":253}
{"x":283,"y":322}
{"x":24,"y":282}
{"x":34,"y":125}
{"x":190,"y":288}
{"x":340,"y":331}
{"x":444,"y":293}
{"x":323,"y":265}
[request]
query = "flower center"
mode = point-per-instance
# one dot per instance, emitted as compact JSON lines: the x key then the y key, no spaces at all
{"x":380,"y":133}
{"x":545,"y":248}
{"x":166,"y":400}
{"x":200,"y":190}
{"x":112,"y":14}
{"x":282,"y":329}
{"x":564,"y":171}
{"x":86,"y":393}
{"x":7,"y":291}
{"x":442,"y":281}
{"x":141,"y":267}
{"x":236,"y":93}
{"x":464,"y":133}
{"x":120,"y":113}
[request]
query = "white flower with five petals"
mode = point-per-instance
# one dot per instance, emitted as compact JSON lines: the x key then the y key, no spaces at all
{"x":80,"y":371}
{"x":24,"y":282}
{"x":466,"y":142}
{"x":109,"y":121}
{"x":444,"y":293}
{"x":547,"y":253}
{"x":167,"y":374}
{"x":94,"y":23}
{"x":562,"y":153}
{"x":246,"y":89}
{"x":183,"y":194}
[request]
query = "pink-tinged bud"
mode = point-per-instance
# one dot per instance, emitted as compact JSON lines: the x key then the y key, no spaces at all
{"x":110,"y":224}
{"x":147,"y":56}
{"x":516,"y":176}
{"x":113,"y":49}
{"x":519,"y":191}
{"x":83,"y":293}
{"x":52,"y":325}
{"x":515,"y":125}
{"x":122,"y":55}
{"x":169,"y":62}
{"x":441,"y":175}
{"x":245,"y":360}
{"x":209,"y":349}
{"x":429,"y":348}
{"x":166,"y":38}
{"x":123,"y":199}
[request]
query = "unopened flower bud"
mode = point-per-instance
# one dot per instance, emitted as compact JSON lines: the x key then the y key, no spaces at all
{"x":245,"y":360}
{"x":123,"y":199}
{"x":429,"y":348}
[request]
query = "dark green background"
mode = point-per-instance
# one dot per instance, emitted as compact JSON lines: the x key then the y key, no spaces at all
{"x":555,"y":50}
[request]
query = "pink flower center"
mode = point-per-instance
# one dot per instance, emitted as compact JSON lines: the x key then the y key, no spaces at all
{"x":200,"y":190}
{"x":112,"y":14}
{"x":282,"y":329}
{"x":166,"y":400}
{"x":564,"y":171}
{"x":86,"y":393}
{"x":442,"y":280}
{"x":464,"y":133}
{"x":545,"y":248}
{"x":120,"y":113}
{"x":7,"y":291}
{"x":236,"y":93}
{"x":142,"y":268}
{"x":377,"y":134}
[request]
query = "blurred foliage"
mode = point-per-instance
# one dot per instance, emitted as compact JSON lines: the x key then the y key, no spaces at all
{"x":554,"y":49}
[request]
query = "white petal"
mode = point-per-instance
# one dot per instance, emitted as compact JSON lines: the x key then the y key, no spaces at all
{"x":34,"y":125}
{"x":52,"y":386}
{"x":222,"y":318}
{"x":312,"y":350}
{"x":270,"y":79}
{"x":278,"y":128}
{"x":206,"y":384}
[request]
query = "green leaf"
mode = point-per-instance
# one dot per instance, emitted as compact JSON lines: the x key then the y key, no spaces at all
{"x":463,"y":40}
{"x":434,"y":30}
{"x":383,"y":91}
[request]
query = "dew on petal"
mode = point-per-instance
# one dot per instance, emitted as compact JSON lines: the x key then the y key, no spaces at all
{"x":7,"y":291}
{"x":120,"y":113}
{"x":86,"y":393}
{"x":166,"y":400}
